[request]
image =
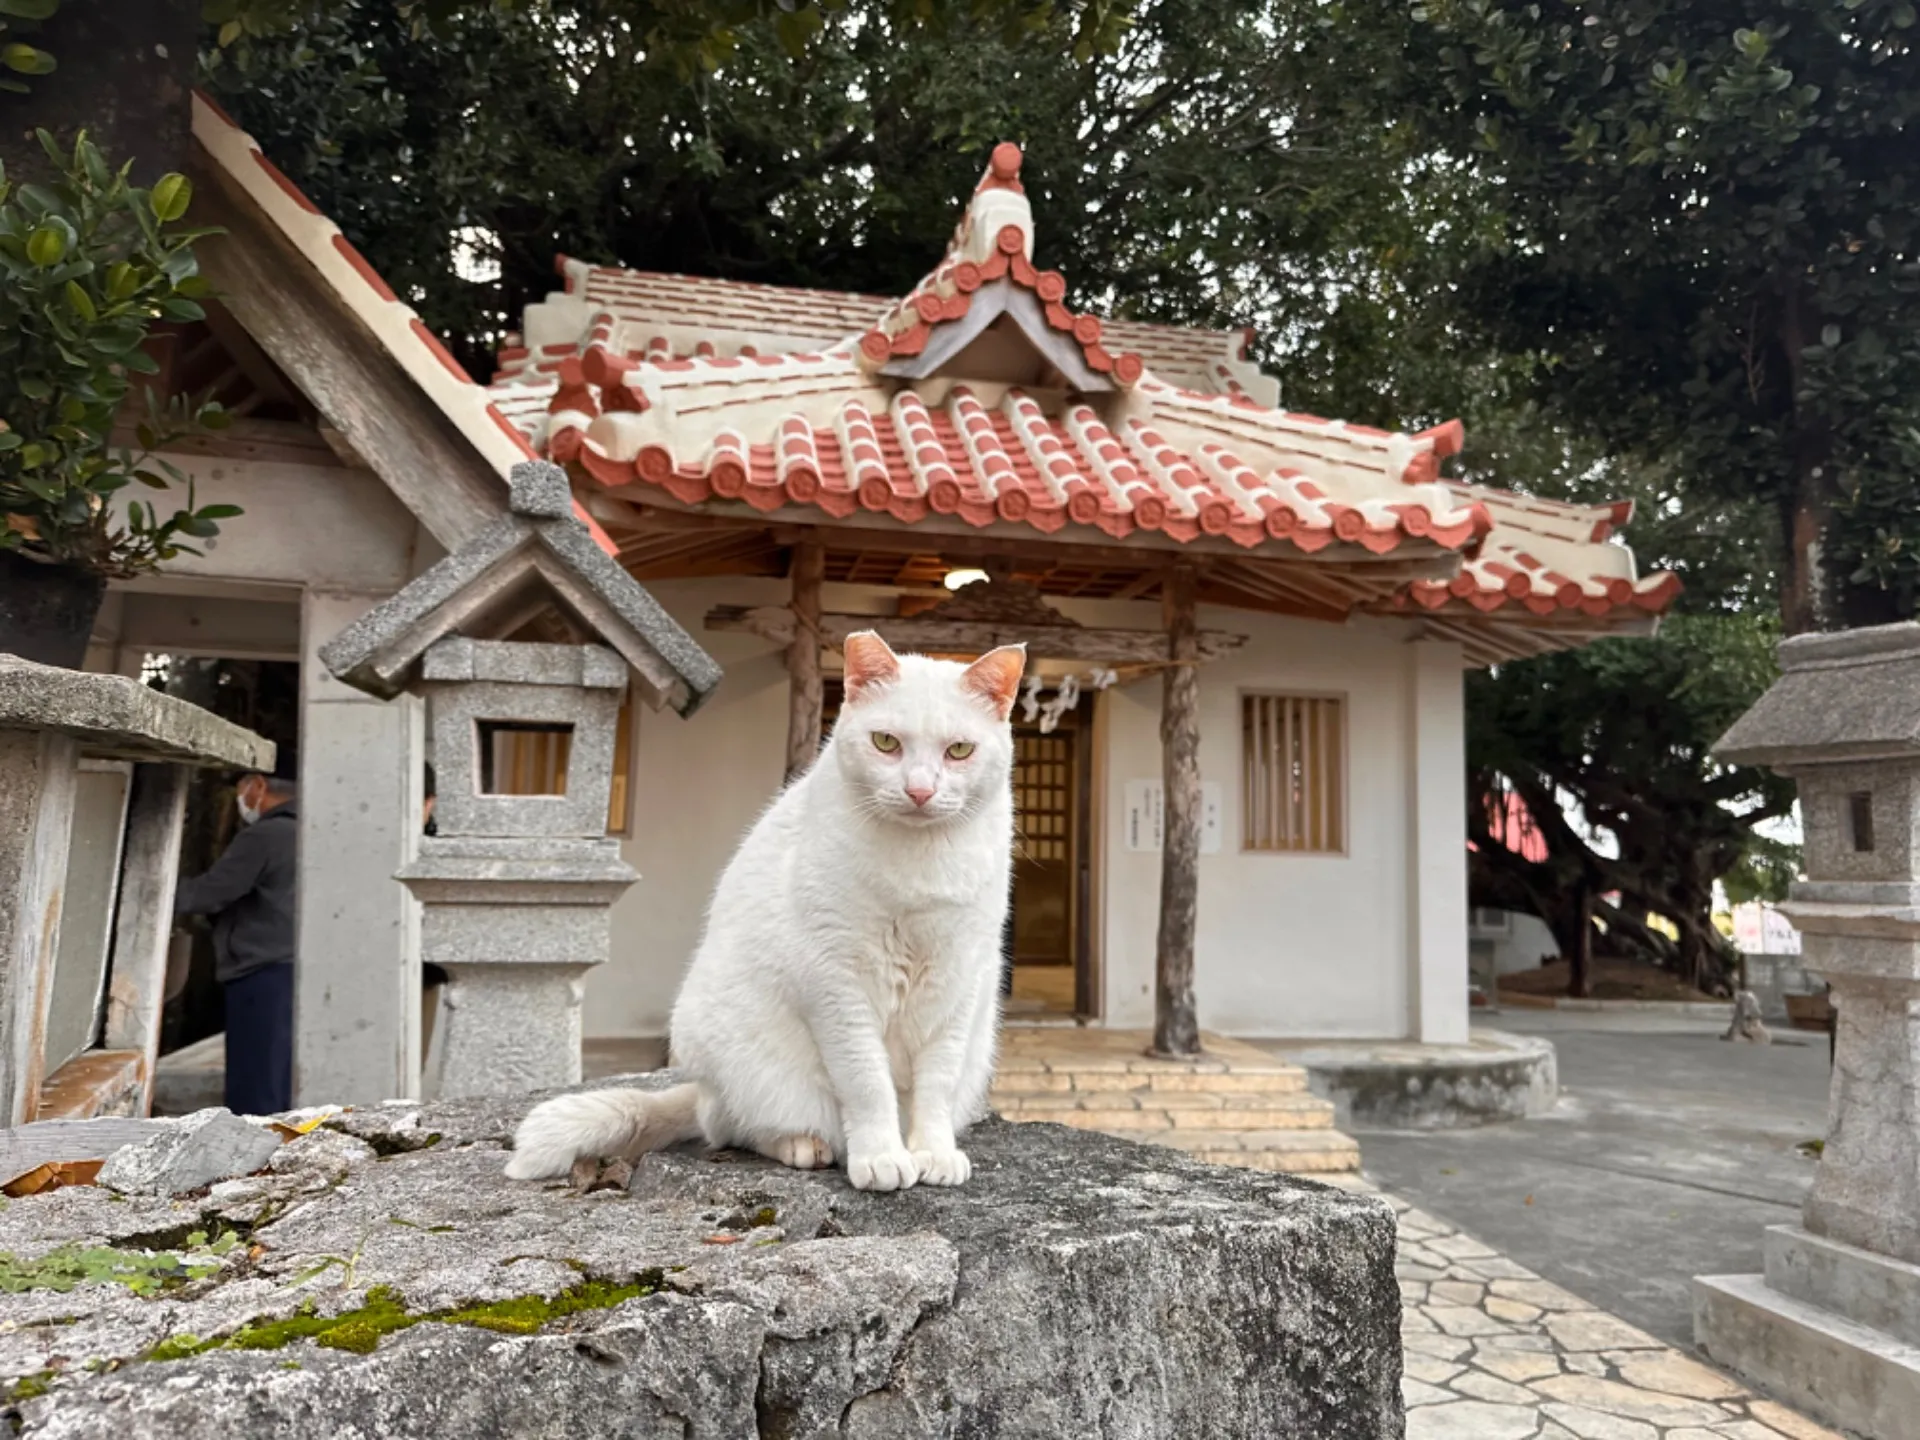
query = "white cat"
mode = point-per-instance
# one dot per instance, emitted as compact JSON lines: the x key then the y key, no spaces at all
{"x":848,"y":983}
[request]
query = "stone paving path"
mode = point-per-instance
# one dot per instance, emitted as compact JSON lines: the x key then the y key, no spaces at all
{"x":1493,"y":1352}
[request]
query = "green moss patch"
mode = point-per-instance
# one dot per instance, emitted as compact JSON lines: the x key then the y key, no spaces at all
{"x":28,"y":1387}
{"x":382,"y":1314}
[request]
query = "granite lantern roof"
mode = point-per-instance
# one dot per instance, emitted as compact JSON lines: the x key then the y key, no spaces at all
{"x":539,"y":554}
{"x":982,"y":396}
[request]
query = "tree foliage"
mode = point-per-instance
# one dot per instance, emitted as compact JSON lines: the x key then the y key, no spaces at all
{"x":88,"y":263}
{"x":1709,"y":220}
{"x":1203,"y":170}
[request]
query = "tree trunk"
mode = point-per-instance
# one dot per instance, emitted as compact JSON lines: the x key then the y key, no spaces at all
{"x":1806,"y":590}
{"x":803,"y":659}
{"x":1580,"y":955}
{"x":1175,"y":1029}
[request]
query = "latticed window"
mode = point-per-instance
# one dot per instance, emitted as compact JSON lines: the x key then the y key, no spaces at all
{"x":1043,"y":791}
{"x":1294,"y":749}
{"x":531,"y":759}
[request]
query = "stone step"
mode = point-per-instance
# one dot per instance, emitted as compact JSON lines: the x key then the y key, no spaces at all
{"x":1304,"y":1112}
{"x":1286,"y":1080}
{"x":1294,"y":1152}
{"x":1177,"y":1102}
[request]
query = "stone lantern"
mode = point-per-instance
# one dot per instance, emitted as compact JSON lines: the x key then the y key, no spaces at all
{"x":1834,"y":1323}
{"x":516,"y":888}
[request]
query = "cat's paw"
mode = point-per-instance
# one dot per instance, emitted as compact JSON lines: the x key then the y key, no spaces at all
{"x":943,"y":1167}
{"x":802,"y":1152}
{"x":891,"y":1168}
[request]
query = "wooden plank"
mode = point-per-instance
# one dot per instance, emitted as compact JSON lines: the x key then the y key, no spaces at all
{"x":1175,"y":1029}
{"x":137,"y":983}
{"x":918,"y":632}
{"x":804,"y":689}
{"x":325,"y":349}
{"x":38,"y":771}
{"x":97,"y":1082}
{"x":25,"y":1146}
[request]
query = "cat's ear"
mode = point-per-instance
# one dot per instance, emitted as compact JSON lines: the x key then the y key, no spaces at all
{"x":870,"y":662}
{"x":995,"y":677}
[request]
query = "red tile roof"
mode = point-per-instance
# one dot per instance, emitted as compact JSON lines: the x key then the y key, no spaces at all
{"x":716,"y":390}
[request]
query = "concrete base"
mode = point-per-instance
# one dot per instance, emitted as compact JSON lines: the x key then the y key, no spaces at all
{"x":1831,"y":1368}
{"x":1832,"y":1329}
{"x":1873,"y":1290}
{"x":1399,"y":1085}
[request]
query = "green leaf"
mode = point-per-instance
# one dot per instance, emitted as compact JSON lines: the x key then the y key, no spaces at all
{"x":171,"y":195}
{"x":150,"y":480}
{"x":219,"y":512}
{"x":33,"y":387}
{"x":122,"y":280}
{"x":47,"y":246}
{"x":25,"y":59}
{"x":81,"y":301}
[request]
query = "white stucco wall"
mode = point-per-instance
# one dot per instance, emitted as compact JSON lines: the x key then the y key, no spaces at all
{"x":324,"y":525}
{"x":698,"y":785}
{"x":1305,"y":945}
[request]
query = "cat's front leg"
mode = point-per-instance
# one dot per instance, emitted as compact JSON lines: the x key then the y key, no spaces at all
{"x":937,"y":1080}
{"x":854,"y":1052}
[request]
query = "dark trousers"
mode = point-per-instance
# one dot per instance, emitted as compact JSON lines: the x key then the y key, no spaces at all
{"x":260,"y":1041}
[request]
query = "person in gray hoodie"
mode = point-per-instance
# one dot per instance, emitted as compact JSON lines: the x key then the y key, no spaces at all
{"x":249,"y":892}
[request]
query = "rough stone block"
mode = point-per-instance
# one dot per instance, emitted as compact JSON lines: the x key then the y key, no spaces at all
{"x":119,"y":718}
{"x":539,"y":489}
{"x":511,"y":1027}
{"x":206,"y":1146}
{"x":519,"y":663}
{"x":515,"y":934}
{"x":1077,"y":1286}
{"x":461,"y":710}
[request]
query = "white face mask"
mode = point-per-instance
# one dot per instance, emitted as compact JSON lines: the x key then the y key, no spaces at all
{"x":247,"y":813}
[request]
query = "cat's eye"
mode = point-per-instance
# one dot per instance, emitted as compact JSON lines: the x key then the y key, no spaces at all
{"x":959,"y":750}
{"x":886,"y":744}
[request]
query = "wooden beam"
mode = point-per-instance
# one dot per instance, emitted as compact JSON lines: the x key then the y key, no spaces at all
{"x":927,"y":632}
{"x":325,"y":350}
{"x":951,"y":536}
{"x":1139,"y":587}
{"x":278,"y":441}
{"x":804,"y":692}
{"x":1176,"y":1031}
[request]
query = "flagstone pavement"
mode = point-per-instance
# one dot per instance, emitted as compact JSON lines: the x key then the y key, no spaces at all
{"x":1493,"y":1352}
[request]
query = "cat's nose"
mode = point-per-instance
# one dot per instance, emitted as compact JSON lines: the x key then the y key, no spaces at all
{"x":918,"y":795}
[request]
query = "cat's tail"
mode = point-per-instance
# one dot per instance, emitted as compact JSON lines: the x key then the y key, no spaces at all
{"x":622,"y":1124}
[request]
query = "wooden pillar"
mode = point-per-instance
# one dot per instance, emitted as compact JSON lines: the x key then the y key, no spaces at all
{"x":803,"y":658}
{"x":1175,"y":1029}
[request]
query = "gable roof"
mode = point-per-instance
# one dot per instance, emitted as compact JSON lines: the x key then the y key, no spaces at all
{"x":399,"y":332}
{"x":720,"y":394}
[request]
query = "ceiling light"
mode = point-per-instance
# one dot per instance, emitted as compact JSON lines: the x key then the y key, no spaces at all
{"x":956,"y":578}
